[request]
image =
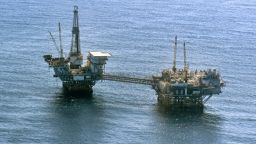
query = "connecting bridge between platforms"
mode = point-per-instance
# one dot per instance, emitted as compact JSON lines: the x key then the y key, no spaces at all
{"x":145,"y":81}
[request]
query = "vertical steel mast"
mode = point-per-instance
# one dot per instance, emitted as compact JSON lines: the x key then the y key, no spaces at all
{"x":76,"y":58}
{"x":185,"y":63}
{"x":185,"y":55}
{"x":61,"y":48}
{"x":174,"y":54}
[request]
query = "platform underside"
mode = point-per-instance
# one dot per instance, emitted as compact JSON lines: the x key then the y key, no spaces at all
{"x":79,"y":88}
{"x":180,"y":101}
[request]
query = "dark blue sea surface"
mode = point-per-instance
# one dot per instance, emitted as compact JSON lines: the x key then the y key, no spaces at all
{"x":219,"y":34}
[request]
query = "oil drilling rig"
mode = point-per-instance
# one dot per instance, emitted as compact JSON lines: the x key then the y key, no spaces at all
{"x":181,"y":87}
{"x":74,"y":74}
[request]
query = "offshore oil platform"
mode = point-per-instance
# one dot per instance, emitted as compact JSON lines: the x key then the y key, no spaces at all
{"x":175,"y":87}
{"x":74,"y":74}
{"x":184,"y":86}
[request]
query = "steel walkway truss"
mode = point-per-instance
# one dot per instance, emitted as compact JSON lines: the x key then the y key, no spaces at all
{"x":127,"y":79}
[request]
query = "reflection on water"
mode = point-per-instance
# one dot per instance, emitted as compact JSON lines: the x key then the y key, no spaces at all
{"x":177,"y":110}
{"x":189,"y":125}
{"x":83,"y":119}
{"x":77,"y":118}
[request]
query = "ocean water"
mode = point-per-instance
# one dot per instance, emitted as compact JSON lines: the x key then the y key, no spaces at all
{"x":219,"y":34}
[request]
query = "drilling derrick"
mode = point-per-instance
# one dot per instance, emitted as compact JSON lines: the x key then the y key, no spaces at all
{"x":75,"y":55}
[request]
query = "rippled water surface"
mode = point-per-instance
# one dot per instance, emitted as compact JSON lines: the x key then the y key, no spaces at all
{"x":220,"y":34}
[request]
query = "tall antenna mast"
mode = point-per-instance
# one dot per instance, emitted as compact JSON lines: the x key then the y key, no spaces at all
{"x":185,"y":56}
{"x":61,"y":48}
{"x":185,"y":63}
{"x":174,"y":54}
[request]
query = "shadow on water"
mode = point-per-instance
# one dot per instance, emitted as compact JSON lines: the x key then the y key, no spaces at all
{"x":77,"y":118}
{"x":187,"y":125}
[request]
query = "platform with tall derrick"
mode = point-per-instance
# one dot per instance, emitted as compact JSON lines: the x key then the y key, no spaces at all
{"x":175,"y":87}
{"x":74,"y":74}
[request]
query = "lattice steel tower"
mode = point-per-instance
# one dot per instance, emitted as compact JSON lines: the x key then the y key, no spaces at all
{"x":76,"y":57}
